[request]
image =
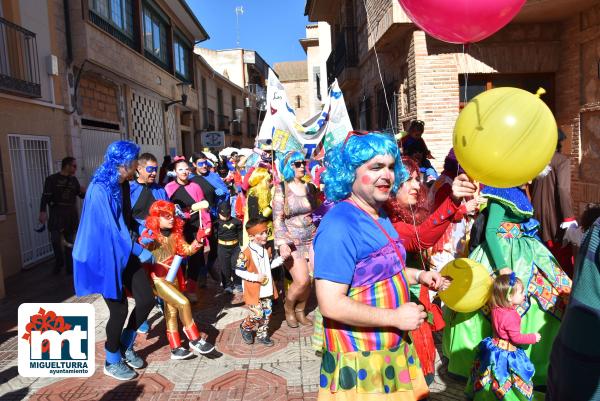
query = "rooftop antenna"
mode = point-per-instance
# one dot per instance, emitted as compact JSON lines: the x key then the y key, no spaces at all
{"x":239,"y":10}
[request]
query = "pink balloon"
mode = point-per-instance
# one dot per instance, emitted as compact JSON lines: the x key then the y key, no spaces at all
{"x":461,"y":21}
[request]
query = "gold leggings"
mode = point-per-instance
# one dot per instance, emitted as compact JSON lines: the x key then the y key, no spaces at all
{"x":175,"y":304}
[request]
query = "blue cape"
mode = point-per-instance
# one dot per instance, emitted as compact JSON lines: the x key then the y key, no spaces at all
{"x":102,"y":247}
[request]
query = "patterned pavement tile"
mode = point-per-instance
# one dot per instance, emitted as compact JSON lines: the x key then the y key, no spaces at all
{"x":291,"y":372}
{"x":99,"y":387}
{"x":262,"y":385}
{"x":230,"y":342}
{"x":296,"y":393}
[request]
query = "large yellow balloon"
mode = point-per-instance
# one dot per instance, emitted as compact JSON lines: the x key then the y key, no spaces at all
{"x":471,"y":285}
{"x":505,"y":137}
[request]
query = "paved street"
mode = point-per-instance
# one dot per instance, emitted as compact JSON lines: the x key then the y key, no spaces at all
{"x":287,"y":371}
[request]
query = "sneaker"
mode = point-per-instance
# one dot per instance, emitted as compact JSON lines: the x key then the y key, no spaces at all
{"x":266,"y":341}
{"x":144,"y":328}
{"x":201,"y":346}
{"x":132,"y":359}
{"x":181,"y":353}
{"x":247,"y":336}
{"x":119,"y":371}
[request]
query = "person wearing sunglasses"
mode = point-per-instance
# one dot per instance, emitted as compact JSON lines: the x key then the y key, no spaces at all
{"x":293,"y":203}
{"x":362,"y":281}
{"x":215,"y":192}
{"x":144,"y":190}
{"x":60,"y":197}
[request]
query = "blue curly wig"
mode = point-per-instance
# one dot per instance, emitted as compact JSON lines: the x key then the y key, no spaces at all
{"x":119,"y":153}
{"x":286,"y":168}
{"x":342,"y":161}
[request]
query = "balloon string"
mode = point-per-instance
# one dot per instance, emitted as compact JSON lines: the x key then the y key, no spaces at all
{"x":387,"y":105}
{"x":369,"y":31}
{"x":465,"y":48}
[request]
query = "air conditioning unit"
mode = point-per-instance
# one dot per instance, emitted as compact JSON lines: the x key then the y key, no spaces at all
{"x":247,"y":102}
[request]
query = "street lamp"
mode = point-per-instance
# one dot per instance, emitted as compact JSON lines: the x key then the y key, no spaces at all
{"x":184,"y":89}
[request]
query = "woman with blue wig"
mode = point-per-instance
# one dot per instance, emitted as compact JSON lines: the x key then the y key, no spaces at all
{"x":106,"y":260}
{"x":362,"y":281}
{"x":293,"y":203}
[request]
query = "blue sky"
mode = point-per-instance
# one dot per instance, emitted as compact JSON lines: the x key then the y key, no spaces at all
{"x":271,"y":27}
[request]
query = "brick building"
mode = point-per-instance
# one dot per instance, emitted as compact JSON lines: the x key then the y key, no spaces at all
{"x":225,"y":107}
{"x":34,"y":107}
{"x":243,"y":73}
{"x":551,"y":43}
{"x":78,"y":75}
{"x":133,"y":66}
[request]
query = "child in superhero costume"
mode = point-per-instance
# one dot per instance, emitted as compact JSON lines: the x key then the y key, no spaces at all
{"x":163,"y":236}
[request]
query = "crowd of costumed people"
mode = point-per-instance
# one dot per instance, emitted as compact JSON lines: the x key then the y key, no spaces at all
{"x":397,"y":257}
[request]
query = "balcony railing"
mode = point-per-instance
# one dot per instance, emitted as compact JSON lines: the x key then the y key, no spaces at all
{"x":19,"y":65}
{"x":344,"y":53}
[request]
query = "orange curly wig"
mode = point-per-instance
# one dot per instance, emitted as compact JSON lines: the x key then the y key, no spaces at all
{"x":153,"y":222}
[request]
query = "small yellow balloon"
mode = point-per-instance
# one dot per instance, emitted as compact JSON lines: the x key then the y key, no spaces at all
{"x":471,"y":285}
{"x":505,"y":137}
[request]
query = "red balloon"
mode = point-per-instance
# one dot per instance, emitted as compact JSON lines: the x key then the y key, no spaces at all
{"x":461,"y":21}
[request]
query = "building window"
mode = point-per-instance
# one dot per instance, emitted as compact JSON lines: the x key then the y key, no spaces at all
{"x":298,"y":101}
{"x":317,"y":78}
{"x":219,"y":101}
{"x":2,"y":190}
{"x":155,"y":36}
{"x":364,"y":117}
{"x":182,"y":58}
{"x":115,"y":17}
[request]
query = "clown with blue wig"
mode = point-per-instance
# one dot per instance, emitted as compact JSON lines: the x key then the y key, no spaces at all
{"x":362,"y":281}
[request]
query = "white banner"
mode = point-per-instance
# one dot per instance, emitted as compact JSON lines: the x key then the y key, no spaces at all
{"x":327,"y":128}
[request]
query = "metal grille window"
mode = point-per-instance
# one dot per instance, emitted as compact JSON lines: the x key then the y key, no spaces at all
{"x":118,"y":13}
{"x":182,"y":59}
{"x":147,"y":124}
{"x":31,"y":163}
{"x":155,"y":36}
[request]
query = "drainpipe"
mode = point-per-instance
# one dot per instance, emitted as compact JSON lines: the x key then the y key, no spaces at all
{"x":68,"y":31}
